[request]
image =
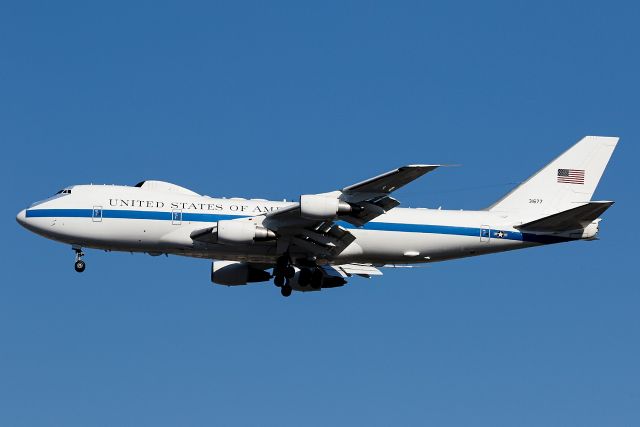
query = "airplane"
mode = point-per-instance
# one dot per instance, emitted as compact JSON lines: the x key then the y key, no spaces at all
{"x":321,"y":240}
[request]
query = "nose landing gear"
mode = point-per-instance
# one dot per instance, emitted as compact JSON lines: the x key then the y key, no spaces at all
{"x":80,"y":264}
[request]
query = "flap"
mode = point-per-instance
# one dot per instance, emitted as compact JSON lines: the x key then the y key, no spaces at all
{"x":344,"y":270}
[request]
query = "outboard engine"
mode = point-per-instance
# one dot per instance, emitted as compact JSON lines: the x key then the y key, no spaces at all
{"x":315,"y":206}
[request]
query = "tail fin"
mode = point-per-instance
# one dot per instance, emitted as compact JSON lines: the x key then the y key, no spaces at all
{"x":568,"y":180}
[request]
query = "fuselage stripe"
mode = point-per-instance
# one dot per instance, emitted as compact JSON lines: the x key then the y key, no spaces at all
{"x":373,"y":226}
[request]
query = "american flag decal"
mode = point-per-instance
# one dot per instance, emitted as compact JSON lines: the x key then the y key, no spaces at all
{"x":571,"y":176}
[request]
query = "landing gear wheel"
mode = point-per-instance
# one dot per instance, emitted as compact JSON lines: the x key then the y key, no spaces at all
{"x":279,"y":281}
{"x":289,"y":272}
{"x":304,"y":278}
{"x":79,"y":265}
{"x":282,"y":262}
{"x":286,"y":290}
{"x":316,"y":279}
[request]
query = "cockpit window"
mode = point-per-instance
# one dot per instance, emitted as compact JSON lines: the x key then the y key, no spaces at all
{"x":58,"y":194}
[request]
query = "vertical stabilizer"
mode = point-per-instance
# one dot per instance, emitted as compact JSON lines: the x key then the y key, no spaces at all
{"x":564,"y":183}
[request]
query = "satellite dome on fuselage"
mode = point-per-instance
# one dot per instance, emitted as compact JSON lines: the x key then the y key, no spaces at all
{"x":153,"y":185}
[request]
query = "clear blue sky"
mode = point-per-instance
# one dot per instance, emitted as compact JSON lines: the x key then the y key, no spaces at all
{"x":274,"y":99}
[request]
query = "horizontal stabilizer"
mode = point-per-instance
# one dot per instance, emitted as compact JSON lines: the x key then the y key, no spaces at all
{"x":571,"y":219}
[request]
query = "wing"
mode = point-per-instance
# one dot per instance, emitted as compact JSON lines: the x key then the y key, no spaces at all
{"x":389,"y":181}
{"x":311,"y":226}
{"x":373,"y":194}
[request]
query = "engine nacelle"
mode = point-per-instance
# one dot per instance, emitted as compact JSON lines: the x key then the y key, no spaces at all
{"x":314,"y":206}
{"x":241,"y":232}
{"x":234,"y":273}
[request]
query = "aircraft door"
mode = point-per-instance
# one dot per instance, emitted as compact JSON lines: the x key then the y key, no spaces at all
{"x":176,"y":217}
{"x":96,"y":214}
{"x":485,"y":233}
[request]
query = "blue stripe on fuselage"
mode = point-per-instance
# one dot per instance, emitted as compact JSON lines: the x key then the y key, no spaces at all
{"x":377,"y":226}
{"x":126,"y":214}
{"x":65,"y":213}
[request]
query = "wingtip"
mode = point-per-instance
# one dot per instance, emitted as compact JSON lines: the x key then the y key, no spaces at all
{"x":442,"y":165}
{"x":606,"y":140}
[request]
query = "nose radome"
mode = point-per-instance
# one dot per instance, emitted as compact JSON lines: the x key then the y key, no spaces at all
{"x":22,"y":217}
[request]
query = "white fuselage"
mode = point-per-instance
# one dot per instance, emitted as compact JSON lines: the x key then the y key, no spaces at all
{"x":122,"y":218}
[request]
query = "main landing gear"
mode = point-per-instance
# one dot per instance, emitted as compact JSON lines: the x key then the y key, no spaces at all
{"x":80,"y":264}
{"x":286,"y":290}
{"x":310,"y":277}
{"x":282,"y":273}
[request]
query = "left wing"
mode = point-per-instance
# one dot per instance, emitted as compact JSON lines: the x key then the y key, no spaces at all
{"x":310,"y":227}
{"x":389,"y":181}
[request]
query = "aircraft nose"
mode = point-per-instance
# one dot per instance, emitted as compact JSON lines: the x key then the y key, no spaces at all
{"x":22,"y":217}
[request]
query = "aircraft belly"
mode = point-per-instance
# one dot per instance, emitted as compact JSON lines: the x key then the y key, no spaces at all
{"x":409,"y":248}
{"x":108,"y":233}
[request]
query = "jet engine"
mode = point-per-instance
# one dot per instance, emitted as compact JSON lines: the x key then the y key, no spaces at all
{"x":315,"y":206}
{"x":234,"y":273}
{"x":239,"y":232}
